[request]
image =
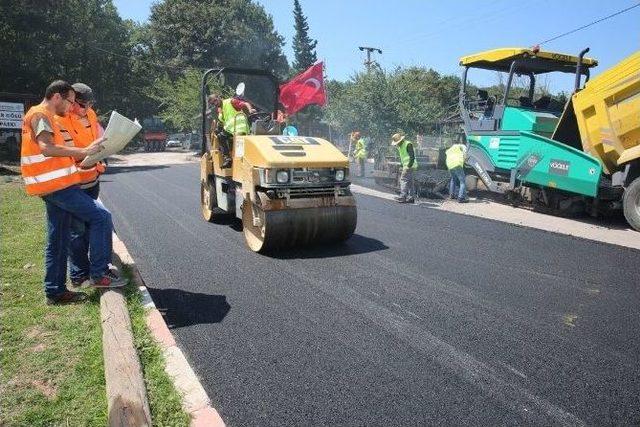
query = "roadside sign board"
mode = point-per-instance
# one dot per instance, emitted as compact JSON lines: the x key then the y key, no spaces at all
{"x":11,"y":114}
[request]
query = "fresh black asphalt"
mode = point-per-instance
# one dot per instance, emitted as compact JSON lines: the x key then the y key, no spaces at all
{"x":423,"y":317}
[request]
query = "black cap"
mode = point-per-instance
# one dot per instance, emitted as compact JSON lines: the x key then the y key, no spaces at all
{"x":83,"y":92}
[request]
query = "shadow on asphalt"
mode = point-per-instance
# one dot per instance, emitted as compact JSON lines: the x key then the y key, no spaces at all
{"x":113,"y":169}
{"x":229,"y":220}
{"x":357,"y":244}
{"x":183,"y":308}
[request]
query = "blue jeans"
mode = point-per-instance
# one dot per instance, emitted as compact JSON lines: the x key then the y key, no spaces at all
{"x":79,"y":243}
{"x":457,"y":180}
{"x":61,"y":206}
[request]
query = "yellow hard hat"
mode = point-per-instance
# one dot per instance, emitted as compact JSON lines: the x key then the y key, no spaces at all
{"x":397,"y":138}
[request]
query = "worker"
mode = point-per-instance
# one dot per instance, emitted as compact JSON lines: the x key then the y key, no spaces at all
{"x":359,"y":152}
{"x":289,"y":129}
{"x":456,"y":156}
{"x":49,"y":171}
{"x":408,"y":164}
{"x":232,"y":120}
{"x":79,"y":128}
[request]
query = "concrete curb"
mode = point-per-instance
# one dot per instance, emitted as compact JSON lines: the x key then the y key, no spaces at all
{"x":195,"y":400}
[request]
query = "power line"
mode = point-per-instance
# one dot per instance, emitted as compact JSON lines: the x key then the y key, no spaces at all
{"x":590,"y":24}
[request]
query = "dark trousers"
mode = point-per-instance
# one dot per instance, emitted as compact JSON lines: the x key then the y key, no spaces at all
{"x":61,"y":206}
{"x":224,"y":142}
{"x":79,"y":242}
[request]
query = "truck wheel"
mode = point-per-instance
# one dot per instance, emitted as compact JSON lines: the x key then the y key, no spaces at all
{"x":631,"y":204}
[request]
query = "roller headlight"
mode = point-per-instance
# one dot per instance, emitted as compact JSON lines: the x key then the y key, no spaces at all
{"x":282,"y":177}
{"x":340,"y":175}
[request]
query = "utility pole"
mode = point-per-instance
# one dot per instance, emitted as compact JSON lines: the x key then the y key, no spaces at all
{"x":369,"y":62}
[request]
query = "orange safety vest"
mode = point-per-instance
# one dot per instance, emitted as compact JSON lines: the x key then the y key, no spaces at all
{"x":44,"y":175}
{"x":76,"y":134}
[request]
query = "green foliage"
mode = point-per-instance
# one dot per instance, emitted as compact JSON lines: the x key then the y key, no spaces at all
{"x":304,"y":48}
{"x":380,"y":103}
{"x":66,"y":39}
{"x":206,"y":34}
{"x":128,"y":63}
{"x":51,"y":364}
{"x":180,"y":99}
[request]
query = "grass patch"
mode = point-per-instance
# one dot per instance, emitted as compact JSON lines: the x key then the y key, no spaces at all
{"x":51,"y":366}
{"x":51,"y":363}
{"x":164,"y":400}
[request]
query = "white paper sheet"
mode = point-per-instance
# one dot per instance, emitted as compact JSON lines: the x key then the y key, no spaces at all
{"x":119,"y":132}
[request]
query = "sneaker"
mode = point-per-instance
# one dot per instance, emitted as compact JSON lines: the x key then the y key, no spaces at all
{"x":410,"y":200}
{"x":66,"y":297}
{"x":463,"y":200}
{"x":400,"y":199}
{"x":82,"y":282}
{"x":109,"y":280}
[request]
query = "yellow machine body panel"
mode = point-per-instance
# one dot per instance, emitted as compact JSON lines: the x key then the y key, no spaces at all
{"x":608,"y":114}
{"x":501,"y":59}
{"x":286,"y":152}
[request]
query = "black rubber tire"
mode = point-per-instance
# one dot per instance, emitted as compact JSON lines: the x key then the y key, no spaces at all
{"x":208,"y":209}
{"x":631,"y":204}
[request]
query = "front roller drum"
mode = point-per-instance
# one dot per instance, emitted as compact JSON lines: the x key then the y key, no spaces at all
{"x":297,"y":227}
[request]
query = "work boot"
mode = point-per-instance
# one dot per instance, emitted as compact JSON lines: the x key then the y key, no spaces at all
{"x":81,"y":282}
{"x":226,"y":162}
{"x":66,"y":297}
{"x":110,"y":280}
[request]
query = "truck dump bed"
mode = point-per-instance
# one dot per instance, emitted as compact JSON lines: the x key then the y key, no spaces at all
{"x":608,"y":114}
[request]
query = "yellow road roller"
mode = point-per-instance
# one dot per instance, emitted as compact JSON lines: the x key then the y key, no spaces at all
{"x":287,"y":190}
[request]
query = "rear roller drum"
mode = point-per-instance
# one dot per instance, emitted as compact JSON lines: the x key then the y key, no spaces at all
{"x":296,"y":227}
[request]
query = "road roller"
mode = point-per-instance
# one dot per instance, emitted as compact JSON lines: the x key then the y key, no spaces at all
{"x":288,"y":191}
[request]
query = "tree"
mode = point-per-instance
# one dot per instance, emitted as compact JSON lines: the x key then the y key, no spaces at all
{"x":380,"y":103}
{"x":304,"y":48}
{"x":76,"y":40}
{"x":205,"y":34}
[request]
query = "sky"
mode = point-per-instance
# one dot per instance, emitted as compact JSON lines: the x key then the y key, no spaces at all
{"x":436,"y":34}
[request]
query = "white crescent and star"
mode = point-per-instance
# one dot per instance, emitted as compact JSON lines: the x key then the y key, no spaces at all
{"x":314,"y":82}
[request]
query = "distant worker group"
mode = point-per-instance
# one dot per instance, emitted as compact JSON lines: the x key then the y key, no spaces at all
{"x":456,"y":156}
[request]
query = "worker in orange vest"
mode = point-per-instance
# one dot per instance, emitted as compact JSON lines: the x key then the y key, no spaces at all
{"x":49,"y":171}
{"x":79,"y":128}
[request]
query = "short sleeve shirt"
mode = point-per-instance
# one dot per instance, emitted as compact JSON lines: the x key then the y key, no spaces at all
{"x":42,"y":125}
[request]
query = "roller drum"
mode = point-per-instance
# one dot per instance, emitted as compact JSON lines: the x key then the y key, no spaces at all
{"x":298,"y":227}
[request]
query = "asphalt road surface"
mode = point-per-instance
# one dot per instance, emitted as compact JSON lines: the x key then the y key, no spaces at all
{"x":423,"y":317}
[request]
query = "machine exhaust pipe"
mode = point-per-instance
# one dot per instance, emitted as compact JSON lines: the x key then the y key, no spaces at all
{"x":579,"y":68}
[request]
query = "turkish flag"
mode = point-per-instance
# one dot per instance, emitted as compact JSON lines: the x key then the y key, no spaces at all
{"x":304,"y":89}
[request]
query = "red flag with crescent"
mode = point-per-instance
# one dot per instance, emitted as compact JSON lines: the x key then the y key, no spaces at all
{"x":304,"y":89}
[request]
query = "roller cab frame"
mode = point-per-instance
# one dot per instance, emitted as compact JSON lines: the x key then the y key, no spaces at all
{"x":288,"y":191}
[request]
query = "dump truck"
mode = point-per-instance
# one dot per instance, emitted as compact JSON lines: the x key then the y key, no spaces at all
{"x":154,"y":134}
{"x":579,"y":156}
{"x":287,"y":191}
